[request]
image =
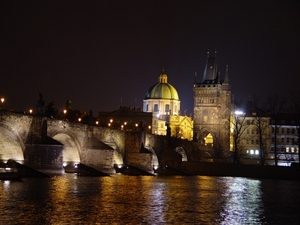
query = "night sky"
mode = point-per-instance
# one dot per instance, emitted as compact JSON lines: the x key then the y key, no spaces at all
{"x":103,"y":54}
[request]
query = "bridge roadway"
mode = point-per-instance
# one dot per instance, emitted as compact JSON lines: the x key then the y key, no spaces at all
{"x":48,"y":144}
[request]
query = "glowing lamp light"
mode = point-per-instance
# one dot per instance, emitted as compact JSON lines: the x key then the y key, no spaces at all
{"x":97,"y":122}
{"x":2,"y":100}
{"x":30,"y":111}
{"x":238,"y":112}
{"x":79,"y":119}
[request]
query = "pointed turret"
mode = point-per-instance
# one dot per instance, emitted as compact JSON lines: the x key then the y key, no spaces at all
{"x":211,"y":69}
{"x":226,"y":79}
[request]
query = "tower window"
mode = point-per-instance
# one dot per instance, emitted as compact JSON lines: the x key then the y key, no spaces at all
{"x":155,"y":107}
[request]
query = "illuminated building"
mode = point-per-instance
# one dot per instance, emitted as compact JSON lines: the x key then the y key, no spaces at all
{"x":125,"y":118}
{"x":254,"y":137}
{"x":285,"y":129}
{"x":163,"y":101}
{"x":212,"y":109}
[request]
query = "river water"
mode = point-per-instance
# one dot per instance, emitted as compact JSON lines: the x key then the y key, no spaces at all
{"x":121,"y":199}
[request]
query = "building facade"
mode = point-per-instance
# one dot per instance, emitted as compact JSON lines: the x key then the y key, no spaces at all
{"x":163,"y":101}
{"x":285,"y":131}
{"x":252,"y":138}
{"x":212,"y":108}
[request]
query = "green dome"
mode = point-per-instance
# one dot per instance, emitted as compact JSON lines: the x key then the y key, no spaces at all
{"x":162,"y":89}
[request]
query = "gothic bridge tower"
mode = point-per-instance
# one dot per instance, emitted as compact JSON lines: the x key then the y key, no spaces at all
{"x":212,"y":107}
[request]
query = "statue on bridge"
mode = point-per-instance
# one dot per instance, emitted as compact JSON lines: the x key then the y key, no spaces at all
{"x":40,"y":105}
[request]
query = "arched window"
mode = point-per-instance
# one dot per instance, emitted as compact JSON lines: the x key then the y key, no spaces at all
{"x":155,"y":107}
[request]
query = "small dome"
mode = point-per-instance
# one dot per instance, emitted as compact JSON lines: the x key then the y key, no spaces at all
{"x":162,"y":89}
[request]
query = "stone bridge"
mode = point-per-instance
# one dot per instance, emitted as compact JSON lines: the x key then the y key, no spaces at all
{"x":48,"y":144}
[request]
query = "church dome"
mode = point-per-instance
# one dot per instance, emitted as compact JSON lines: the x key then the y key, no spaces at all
{"x":162,"y":89}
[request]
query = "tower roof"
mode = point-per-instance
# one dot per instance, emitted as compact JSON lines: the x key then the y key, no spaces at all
{"x":211,"y":68}
{"x":162,"y":89}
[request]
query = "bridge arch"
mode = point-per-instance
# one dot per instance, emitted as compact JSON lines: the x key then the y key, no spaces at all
{"x":11,"y":145}
{"x":155,"y":162}
{"x":180,"y":150}
{"x":71,"y":151}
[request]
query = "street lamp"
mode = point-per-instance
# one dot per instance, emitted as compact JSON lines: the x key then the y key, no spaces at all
{"x":2,"y":100}
{"x":65,"y":112}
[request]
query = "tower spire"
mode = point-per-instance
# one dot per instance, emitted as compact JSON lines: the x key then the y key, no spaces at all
{"x":226,"y":78}
{"x":226,"y":83}
{"x":211,"y":70}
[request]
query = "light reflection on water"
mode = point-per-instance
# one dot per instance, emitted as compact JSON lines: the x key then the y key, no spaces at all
{"x":121,"y":199}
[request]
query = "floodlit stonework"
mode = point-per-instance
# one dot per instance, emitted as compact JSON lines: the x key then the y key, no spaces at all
{"x":163,"y":101}
{"x":212,"y":109}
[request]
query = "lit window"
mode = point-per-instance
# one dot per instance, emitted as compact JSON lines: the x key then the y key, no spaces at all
{"x":287,"y":149}
{"x":256,"y":152}
{"x":251,"y":152}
